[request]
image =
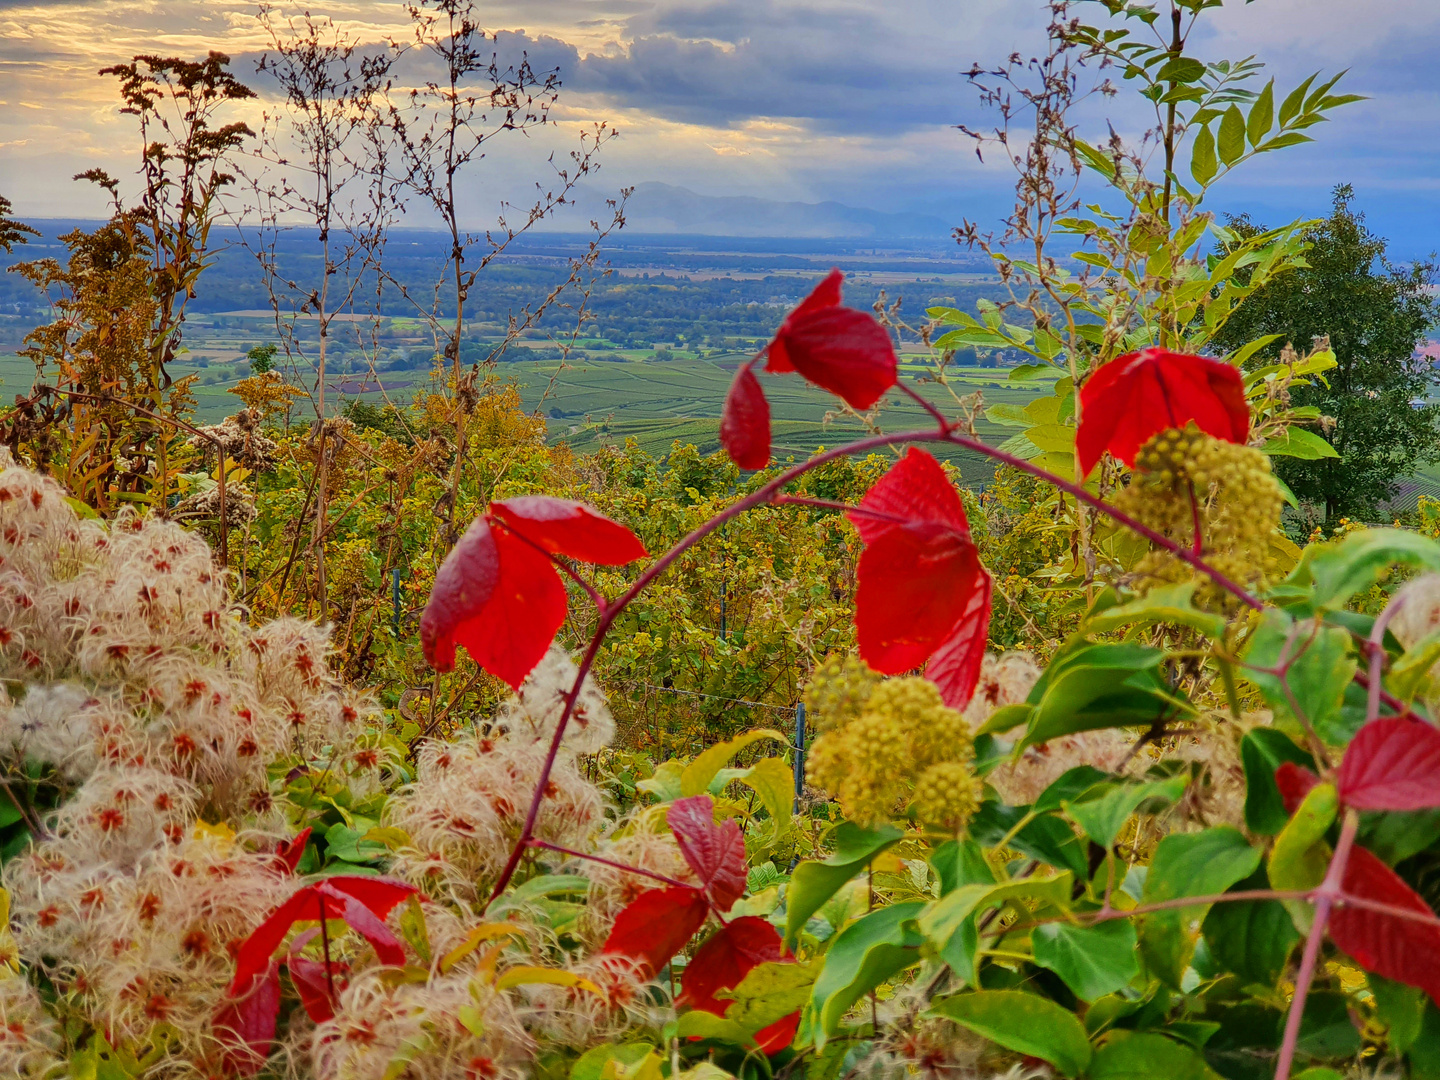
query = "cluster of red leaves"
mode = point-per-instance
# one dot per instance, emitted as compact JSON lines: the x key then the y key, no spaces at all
{"x":922,"y":595}
{"x":498,"y":592}
{"x":837,"y":348}
{"x":246,"y":1021}
{"x":659,"y":922}
{"x":1135,"y":397}
{"x":1391,"y":765}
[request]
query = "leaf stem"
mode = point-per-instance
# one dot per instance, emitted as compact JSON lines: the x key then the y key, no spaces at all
{"x":533,"y":842}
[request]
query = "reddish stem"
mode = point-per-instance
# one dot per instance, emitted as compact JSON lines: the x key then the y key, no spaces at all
{"x":1376,"y":648}
{"x":1325,"y":897}
{"x":940,"y":419}
{"x":848,"y":508}
{"x":532,"y":842}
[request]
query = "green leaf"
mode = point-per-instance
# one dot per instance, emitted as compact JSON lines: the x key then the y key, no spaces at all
{"x":813,"y":883}
{"x":665,"y":784}
{"x":1342,"y":568}
{"x":1252,"y":938}
{"x":1181,"y":69}
{"x":773,"y":781}
{"x":1007,"y":717}
{"x":1203,"y":165}
{"x":350,"y":845}
{"x":1316,"y":661}
{"x":695,"y":779}
{"x":948,"y":923}
{"x":1139,"y":1055}
{"x":1025,"y":1023}
{"x":1400,"y":1008}
{"x":1166,"y":604}
{"x":591,"y":1064}
{"x":1294,"y":101}
{"x":1231,"y":143}
{"x":1068,"y":786}
{"x":1189,"y":864}
{"x":1262,"y":751}
{"x":1407,"y":675}
{"x":1300,"y":855}
{"x":769,"y":992}
{"x":1262,"y":114}
{"x":1100,"y":686}
{"x":960,"y":862}
{"x":860,"y":958}
{"x":1102,"y":818}
{"x":699,"y":1024}
{"x":1045,"y":837}
{"x":1296,"y":442}
{"x":1092,"y":960}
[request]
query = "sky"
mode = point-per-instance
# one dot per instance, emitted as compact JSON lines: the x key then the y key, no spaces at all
{"x":805,"y":100}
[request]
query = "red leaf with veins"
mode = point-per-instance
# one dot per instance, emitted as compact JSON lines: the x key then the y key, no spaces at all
{"x":1391,"y":946}
{"x":364,"y":922}
{"x":656,"y":925}
{"x":1391,"y":764}
{"x":917,"y":582}
{"x":837,"y":348}
{"x":825,"y":295}
{"x":1137,"y":396}
{"x":506,"y":617}
{"x":955,"y":666}
{"x":915,"y":489}
{"x":334,"y":896}
{"x":1294,"y":783}
{"x":745,"y":422}
{"x":723,"y":961}
{"x":310,"y":981}
{"x":245,"y":1024}
{"x":715,"y":852}
{"x":562,"y":527}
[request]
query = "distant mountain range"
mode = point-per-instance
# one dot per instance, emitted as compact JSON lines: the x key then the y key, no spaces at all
{"x":657,"y":208}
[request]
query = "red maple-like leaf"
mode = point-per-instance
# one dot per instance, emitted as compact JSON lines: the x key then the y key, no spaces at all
{"x":1294,"y":783}
{"x":921,"y":586}
{"x":245,"y":1023}
{"x":837,"y":348}
{"x":715,"y":852}
{"x":656,"y":925}
{"x":563,"y":527}
{"x":723,"y":961}
{"x":361,"y":901}
{"x":1394,"y":947}
{"x":289,"y":852}
{"x":955,"y":666}
{"x":1391,"y":764}
{"x":745,"y":422}
{"x":497,"y":592}
{"x":1137,"y":396}
{"x":311,"y":981}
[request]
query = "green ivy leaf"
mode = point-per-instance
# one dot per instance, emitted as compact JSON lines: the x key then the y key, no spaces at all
{"x":1092,"y":960}
{"x":813,"y":883}
{"x":1100,"y":686}
{"x":1025,"y":1023}
{"x":949,"y":923}
{"x":861,"y":957}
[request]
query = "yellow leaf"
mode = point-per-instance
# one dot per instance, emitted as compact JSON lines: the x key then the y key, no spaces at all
{"x":698,"y":774}
{"x":474,"y":939}
{"x":221,"y":833}
{"x":528,"y":975}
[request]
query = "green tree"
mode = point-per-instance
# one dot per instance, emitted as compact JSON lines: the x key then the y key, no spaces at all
{"x":1375,"y":314}
{"x":262,"y":358}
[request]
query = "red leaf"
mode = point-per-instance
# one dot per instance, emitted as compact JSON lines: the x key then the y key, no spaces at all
{"x":289,"y":852}
{"x":656,"y":925}
{"x":245,"y":1024}
{"x":377,"y":895}
{"x":364,"y":922}
{"x":955,"y":666}
{"x":1294,"y":783}
{"x":1136,"y":396}
{"x":838,"y":348}
{"x":497,"y":596}
{"x":745,"y":423}
{"x":917,"y":582}
{"x":723,"y":961}
{"x":563,"y":527}
{"x":915,"y":490}
{"x":1391,"y":946}
{"x":824,"y":295}
{"x":715,"y":852}
{"x":310,"y":981}
{"x":1391,"y":764}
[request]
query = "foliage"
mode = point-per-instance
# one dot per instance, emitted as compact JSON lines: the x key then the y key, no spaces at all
{"x":1371,"y":405}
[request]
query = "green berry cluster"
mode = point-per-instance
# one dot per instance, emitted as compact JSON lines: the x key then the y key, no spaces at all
{"x":1183,"y":473}
{"x":879,"y":736}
